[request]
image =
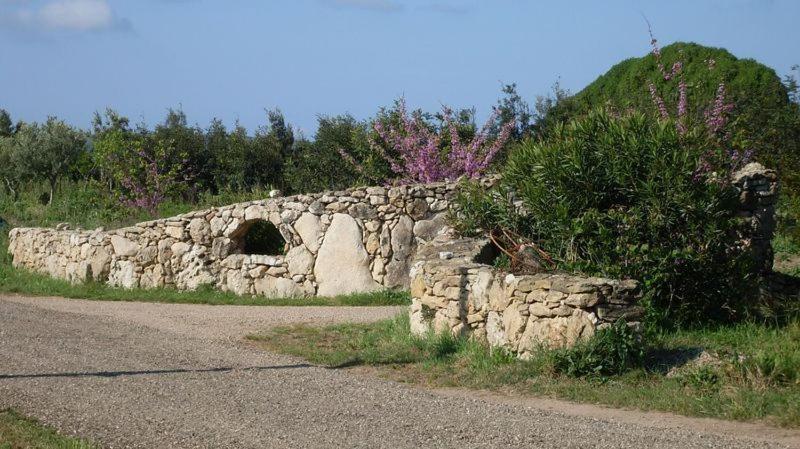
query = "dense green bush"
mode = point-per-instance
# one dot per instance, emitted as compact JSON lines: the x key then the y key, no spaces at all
{"x":622,"y":197}
{"x":764,"y":118}
{"x":611,"y":351}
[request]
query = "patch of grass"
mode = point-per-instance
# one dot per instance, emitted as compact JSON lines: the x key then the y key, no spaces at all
{"x":787,"y":253}
{"x":752,"y":373}
{"x":24,"y":282}
{"x":18,"y":432}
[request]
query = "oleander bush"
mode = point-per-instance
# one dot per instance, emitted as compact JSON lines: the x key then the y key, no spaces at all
{"x":627,"y":197}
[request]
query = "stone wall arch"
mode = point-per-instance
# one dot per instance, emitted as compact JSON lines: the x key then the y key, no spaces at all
{"x":258,"y":237}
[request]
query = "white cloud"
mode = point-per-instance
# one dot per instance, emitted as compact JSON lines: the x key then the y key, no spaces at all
{"x":79,"y":15}
{"x":60,"y":15}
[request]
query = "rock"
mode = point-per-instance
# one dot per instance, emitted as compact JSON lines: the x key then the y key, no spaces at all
{"x":582,"y":300}
{"x":309,"y":228}
{"x":100,"y":264}
{"x":124,"y":247}
{"x":237,"y":283}
{"x":148,"y":255}
{"x":373,"y":243}
{"x":362,"y":211}
{"x":427,"y":230}
{"x":342,"y":265}
{"x":78,"y":272}
{"x":254,"y":212}
{"x":221,"y":248}
{"x":123,"y":274}
{"x":378,"y":269}
{"x":479,"y":295}
{"x":272,"y":287}
{"x":495,"y":334}
{"x":179,"y":249}
{"x":264,"y":259}
{"x":417,"y":209}
{"x":216,"y":226}
{"x":418,"y":287}
{"x":300,"y":260}
{"x":402,"y":247}
{"x":513,"y":323}
{"x":199,"y":230}
{"x":174,"y":232}
{"x":556,"y":332}
{"x":195,"y":272}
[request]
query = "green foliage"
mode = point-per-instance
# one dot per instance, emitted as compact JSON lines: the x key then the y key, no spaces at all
{"x":621,"y":197}
{"x":44,"y":152}
{"x":317,"y":165}
{"x":264,"y":238}
{"x":6,"y":125}
{"x":144,"y":169}
{"x":764,"y":119}
{"x":611,"y":351}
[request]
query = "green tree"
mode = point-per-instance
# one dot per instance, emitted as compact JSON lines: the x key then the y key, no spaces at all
{"x":9,"y":170}
{"x":187,"y":148}
{"x":512,"y":107}
{"x":6,"y":125}
{"x":47,"y":152}
{"x":318,"y":165}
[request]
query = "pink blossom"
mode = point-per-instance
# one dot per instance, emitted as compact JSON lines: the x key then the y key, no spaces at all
{"x":420,"y":152}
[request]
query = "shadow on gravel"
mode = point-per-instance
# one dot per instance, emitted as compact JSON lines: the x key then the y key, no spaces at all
{"x":151,"y":372}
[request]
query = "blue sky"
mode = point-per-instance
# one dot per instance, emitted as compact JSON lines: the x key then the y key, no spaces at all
{"x":233,"y":58}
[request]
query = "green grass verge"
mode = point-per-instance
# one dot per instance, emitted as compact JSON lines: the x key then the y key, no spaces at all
{"x":23,"y":282}
{"x":18,"y":432}
{"x":754,"y":374}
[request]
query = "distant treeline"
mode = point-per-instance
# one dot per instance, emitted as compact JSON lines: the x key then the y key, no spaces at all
{"x":137,"y":167}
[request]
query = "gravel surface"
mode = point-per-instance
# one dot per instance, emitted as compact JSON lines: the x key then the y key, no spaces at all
{"x":159,"y":375}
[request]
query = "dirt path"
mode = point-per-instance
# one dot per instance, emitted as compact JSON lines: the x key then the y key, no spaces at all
{"x":160,"y":375}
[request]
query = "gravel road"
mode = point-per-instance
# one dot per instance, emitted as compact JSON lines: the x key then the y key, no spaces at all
{"x":159,"y":375}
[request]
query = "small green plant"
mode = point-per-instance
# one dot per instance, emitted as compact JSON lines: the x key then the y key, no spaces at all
{"x":611,"y":351}
{"x":704,"y":379}
{"x":502,"y":262}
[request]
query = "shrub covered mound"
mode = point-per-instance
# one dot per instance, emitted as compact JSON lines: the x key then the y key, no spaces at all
{"x":623,"y":197}
{"x":764,"y":118}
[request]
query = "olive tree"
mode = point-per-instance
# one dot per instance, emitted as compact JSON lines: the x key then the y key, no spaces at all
{"x":47,"y":152}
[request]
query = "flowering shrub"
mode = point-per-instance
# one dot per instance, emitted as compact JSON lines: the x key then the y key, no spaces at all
{"x":722,"y":157}
{"x":616,"y":195}
{"x":419,"y":152}
{"x":145,"y":173}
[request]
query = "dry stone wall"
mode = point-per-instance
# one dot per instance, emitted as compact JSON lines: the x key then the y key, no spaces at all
{"x":357,"y":240}
{"x":453,"y":291}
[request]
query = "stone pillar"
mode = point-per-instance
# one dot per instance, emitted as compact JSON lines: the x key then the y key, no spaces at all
{"x":758,"y":194}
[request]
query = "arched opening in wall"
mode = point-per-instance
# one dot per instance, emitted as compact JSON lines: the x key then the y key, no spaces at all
{"x":259,"y":237}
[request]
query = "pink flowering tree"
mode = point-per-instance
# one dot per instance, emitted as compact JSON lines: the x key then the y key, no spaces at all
{"x":145,"y":173}
{"x":416,"y":151}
